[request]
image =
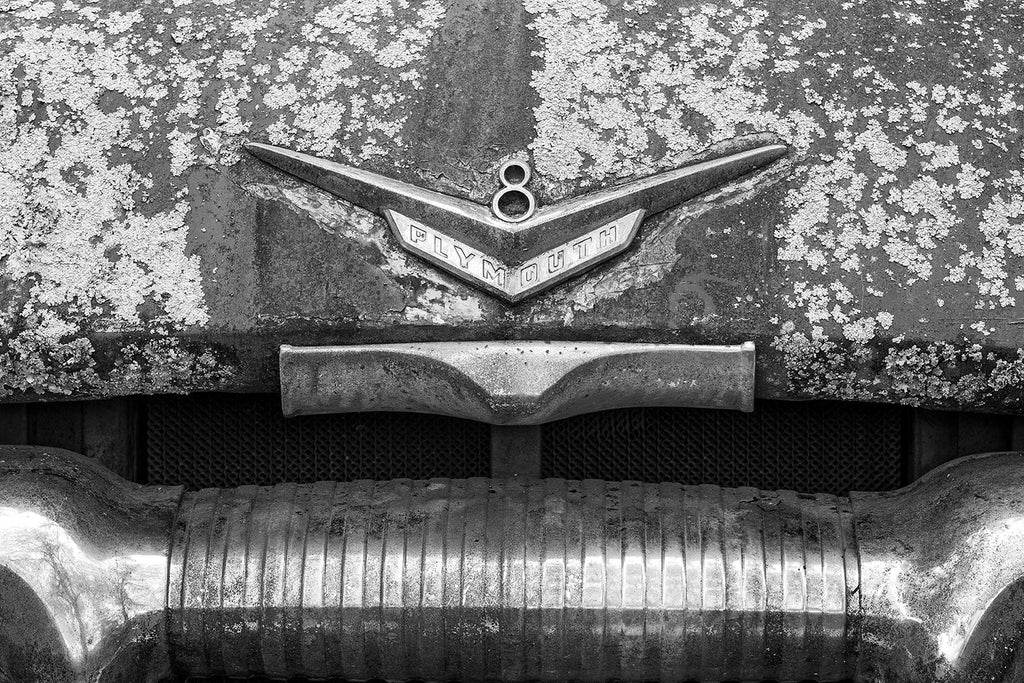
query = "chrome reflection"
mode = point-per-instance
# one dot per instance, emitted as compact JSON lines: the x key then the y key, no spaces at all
{"x":488,"y":579}
{"x":514,"y":382}
{"x":84,"y":561}
{"x":943,"y":574}
{"x":89,"y":592}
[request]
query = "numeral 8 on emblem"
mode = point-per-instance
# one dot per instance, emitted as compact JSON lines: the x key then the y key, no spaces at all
{"x":513,"y":203}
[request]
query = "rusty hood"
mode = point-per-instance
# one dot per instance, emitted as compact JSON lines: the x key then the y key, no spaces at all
{"x":142,"y":249}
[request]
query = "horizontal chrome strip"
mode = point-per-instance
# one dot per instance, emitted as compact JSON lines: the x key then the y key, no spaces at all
{"x":480,"y":579}
{"x":514,"y":382}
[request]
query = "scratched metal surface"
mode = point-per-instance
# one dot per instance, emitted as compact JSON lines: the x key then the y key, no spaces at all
{"x":487,"y":579}
{"x":514,"y":383}
{"x":142,"y":251}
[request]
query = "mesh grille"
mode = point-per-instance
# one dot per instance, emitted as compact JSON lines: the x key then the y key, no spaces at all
{"x":226,"y":440}
{"x":820,"y":447}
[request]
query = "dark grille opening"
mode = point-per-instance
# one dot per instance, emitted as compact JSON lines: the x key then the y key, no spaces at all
{"x":206,"y":440}
{"x":820,"y":447}
{"x":220,"y":440}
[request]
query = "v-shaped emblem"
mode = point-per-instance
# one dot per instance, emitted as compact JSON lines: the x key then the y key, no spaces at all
{"x":512,"y":249}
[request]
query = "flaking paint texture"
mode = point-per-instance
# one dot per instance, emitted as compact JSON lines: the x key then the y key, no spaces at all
{"x":881,"y":260}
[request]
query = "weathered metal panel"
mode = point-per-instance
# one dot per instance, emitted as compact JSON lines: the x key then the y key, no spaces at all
{"x":141,"y":250}
{"x":514,"y":383}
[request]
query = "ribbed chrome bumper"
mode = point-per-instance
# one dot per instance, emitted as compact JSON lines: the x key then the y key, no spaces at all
{"x":486,"y":579}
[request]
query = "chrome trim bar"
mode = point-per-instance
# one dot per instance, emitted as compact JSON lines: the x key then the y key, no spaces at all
{"x":480,"y":579}
{"x":514,"y":382}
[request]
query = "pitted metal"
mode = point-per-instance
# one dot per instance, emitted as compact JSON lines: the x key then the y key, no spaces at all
{"x":496,"y":580}
{"x":514,"y":383}
{"x":487,"y":579}
{"x":516,"y":256}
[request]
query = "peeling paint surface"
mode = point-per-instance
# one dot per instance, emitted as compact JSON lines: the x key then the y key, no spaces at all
{"x":907,"y":194}
{"x":107,"y":115}
{"x":882,"y":260}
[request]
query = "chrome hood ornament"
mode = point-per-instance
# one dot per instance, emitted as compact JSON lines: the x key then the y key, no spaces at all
{"x":513,"y":249}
